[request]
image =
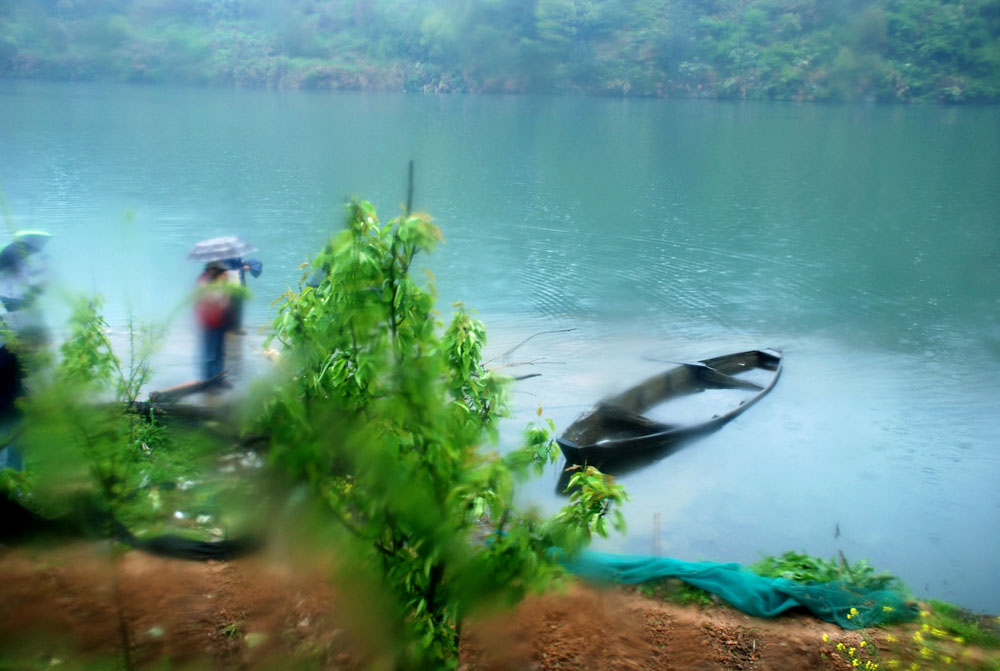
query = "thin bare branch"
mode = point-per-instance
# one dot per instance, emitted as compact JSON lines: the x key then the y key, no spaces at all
{"x":535,"y":362}
{"x":521,"y":344}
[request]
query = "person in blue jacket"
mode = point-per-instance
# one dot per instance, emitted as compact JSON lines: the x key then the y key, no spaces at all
{"x":241,"y":267}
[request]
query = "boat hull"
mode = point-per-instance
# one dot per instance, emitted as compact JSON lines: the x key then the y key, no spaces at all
{"x":621,"y":427}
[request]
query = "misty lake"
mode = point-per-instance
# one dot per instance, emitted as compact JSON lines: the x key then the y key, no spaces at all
{"x":861,"y":240}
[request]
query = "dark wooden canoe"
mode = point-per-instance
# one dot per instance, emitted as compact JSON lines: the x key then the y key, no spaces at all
{"x":683,"y":401}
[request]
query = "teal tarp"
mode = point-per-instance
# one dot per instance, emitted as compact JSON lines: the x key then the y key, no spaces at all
{"x":751,"y":593}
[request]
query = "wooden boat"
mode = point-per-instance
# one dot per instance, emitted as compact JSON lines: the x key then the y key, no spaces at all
{"x":690,"y":399}
{"x":174,"y":394}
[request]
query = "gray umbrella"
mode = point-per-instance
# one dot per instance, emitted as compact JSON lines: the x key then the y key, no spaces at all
{"x":25,"y":243}
{"x":217,"y":249}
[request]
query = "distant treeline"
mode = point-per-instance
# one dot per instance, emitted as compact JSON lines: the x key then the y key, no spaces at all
{"x":886,"y":50}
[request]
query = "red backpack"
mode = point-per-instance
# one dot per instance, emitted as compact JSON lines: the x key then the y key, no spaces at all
{"x":212,"y":309}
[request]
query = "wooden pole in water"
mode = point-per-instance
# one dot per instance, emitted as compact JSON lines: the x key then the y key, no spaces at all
{"x":656,"y":534}
{"x":409,"y":190}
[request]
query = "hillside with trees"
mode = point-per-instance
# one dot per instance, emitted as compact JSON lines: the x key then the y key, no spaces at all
{"x":808,"y":50}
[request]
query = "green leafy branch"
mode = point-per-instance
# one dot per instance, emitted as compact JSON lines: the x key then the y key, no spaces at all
{"x":385,"y":414}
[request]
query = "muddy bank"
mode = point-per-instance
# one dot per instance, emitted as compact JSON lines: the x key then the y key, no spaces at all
{"x":59,"y":605}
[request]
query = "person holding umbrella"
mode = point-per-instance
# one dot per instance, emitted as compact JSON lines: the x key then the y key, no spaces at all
{"x":212,"y":308}
{"x":22,"y":272}
{"x":215,"y":300}
{"x":21,"y":283}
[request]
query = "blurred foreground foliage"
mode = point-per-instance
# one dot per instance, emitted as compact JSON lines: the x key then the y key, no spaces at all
{"x":76,"y":428}
{"x":91,"y":460}
{"x":386,"y":413}
{"x":887,"y":50}
{"x":378,"y":423}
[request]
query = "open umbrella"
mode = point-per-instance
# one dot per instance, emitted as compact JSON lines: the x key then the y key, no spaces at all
{"x":25,"y":243}
{"x":217,"y":249}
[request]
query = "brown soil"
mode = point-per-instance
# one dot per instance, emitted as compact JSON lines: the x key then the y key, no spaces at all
{"x":60,"y":604}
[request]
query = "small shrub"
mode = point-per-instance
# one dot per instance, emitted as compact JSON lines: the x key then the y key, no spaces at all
{"x":807,"y":569}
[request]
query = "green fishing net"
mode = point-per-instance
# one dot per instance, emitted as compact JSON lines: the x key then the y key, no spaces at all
{"x":839,"y":602}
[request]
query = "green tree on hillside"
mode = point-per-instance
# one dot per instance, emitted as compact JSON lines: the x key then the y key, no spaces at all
{"x":890,"y":50}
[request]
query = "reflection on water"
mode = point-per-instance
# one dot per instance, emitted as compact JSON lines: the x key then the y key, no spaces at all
{"x":861,"y":241}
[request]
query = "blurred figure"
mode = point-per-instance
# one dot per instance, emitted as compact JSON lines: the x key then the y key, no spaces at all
{"x":22,"y":273}
{"x":238,"y":268}
{"x":212,"y":309}
{"x":11,"y":389}
{"x":22,"y":280}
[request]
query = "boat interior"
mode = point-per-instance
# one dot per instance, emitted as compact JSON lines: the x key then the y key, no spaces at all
{"x":689,"y":394}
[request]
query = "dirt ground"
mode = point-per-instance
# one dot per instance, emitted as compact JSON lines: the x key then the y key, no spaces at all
{"x":58,"y":609}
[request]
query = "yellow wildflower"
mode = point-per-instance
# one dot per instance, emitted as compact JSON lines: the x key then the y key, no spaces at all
{"x":856,"y":662}
{"x":841,"y":646}
{"x":850,"y":651}
{"x":924,"y":613}
{"x":958,"y":639}
{"x":890,"y":638}
{"x":863,"y":644}
{"x":940,"y":633}
{"x":826,"y":638}
{"x":925,"y":627}
{"x":926,"y":652}
{"x":854,"y":611}
{"x":887,"y":609}
{"x":848,"y":616}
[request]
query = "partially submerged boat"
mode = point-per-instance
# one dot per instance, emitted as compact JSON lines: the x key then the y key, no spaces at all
{"x":689,"y":399}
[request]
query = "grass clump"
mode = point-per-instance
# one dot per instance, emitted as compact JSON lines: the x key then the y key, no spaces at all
{"x":946,"y":637}
{"x":959,"y":623}
{"x":676,"y":591}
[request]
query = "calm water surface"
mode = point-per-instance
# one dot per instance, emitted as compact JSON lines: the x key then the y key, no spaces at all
{"x":863,"y":241}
